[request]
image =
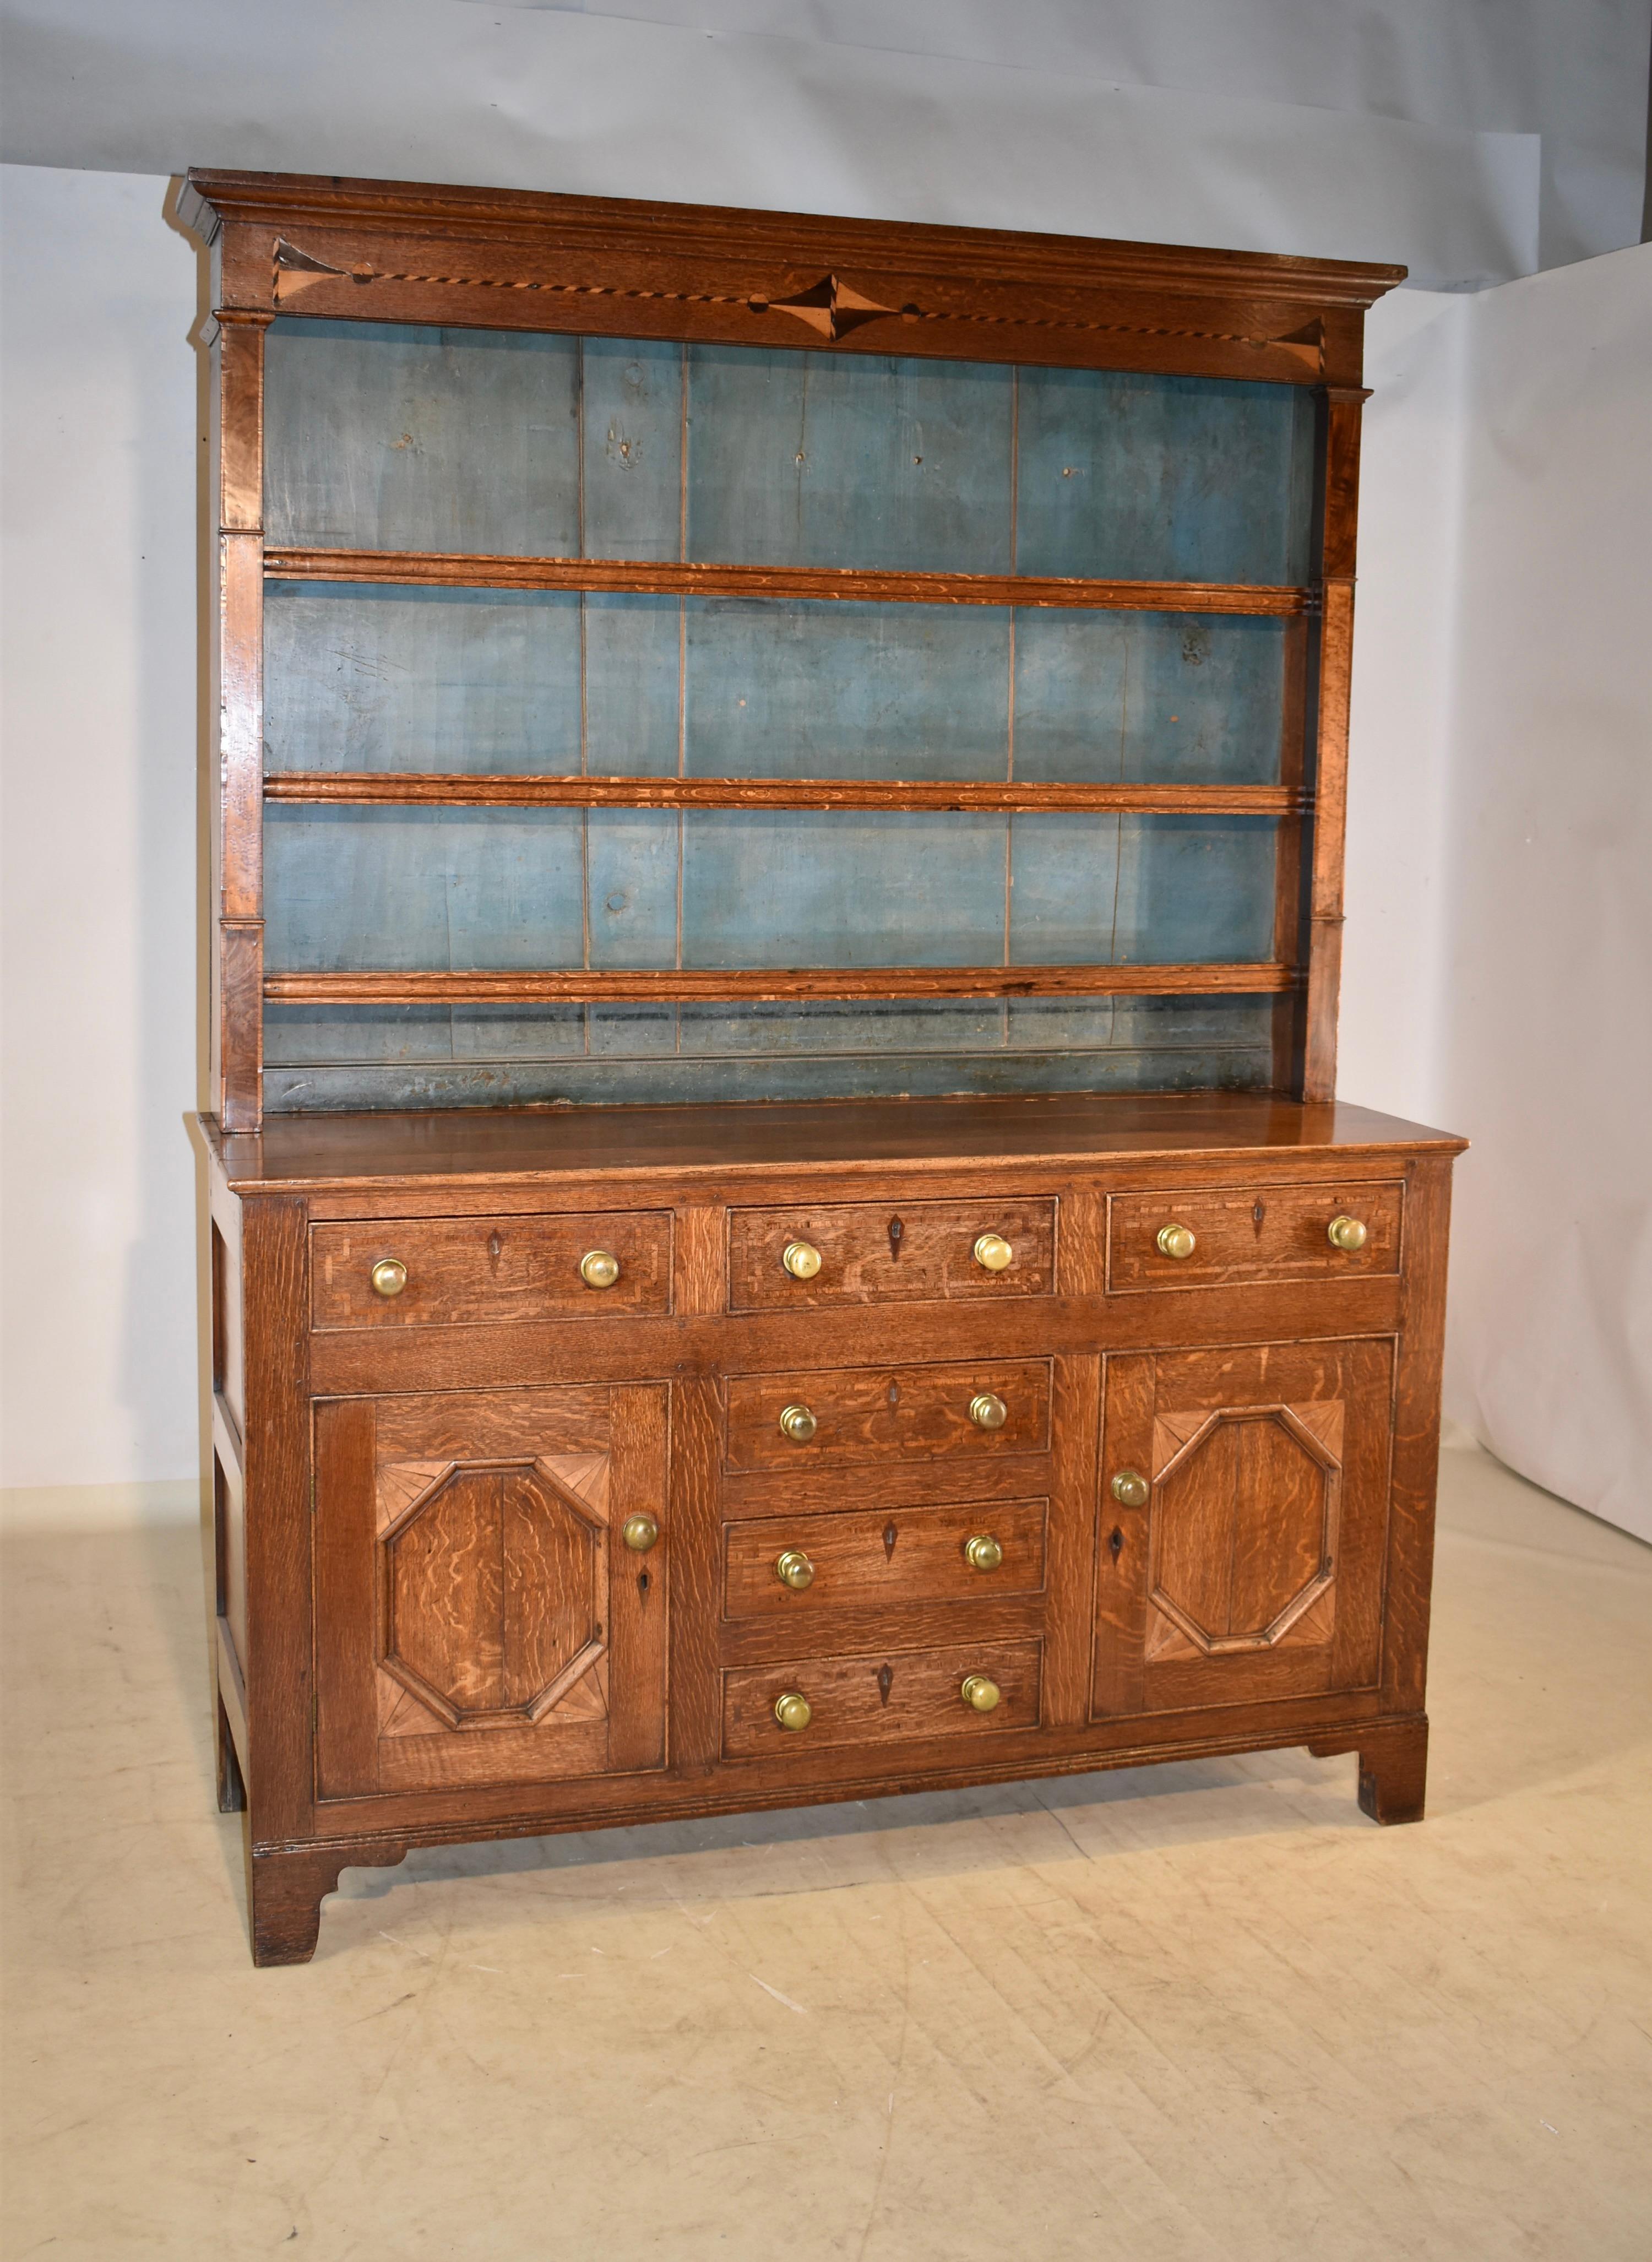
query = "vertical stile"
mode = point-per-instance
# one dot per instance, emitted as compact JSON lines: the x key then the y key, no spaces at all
{"x":682,"y":680}
{"x":239,"y":354}
{"x":585,"y":713}
{"x":1336,"y":659}
{"x":1289,"y":941}
{"x":1010,"y":757}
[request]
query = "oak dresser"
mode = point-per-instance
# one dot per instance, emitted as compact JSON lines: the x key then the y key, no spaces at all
{"x":780,"y":1228}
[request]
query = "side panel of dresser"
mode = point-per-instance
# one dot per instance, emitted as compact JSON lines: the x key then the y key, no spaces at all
{"x":227,"y":1343}
{"x":266,"y":1709}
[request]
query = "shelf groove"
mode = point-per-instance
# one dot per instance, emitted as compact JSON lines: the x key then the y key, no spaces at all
{"x":608,"y":576}
{"x":720,"y":985}
{"x":482,"y":789}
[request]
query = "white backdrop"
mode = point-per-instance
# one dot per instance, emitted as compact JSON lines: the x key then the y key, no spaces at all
{"x":1493,"y":138}
{"x":1494,"y":697}
{"x":98,"y":804}
{"x":1544,"y":1038}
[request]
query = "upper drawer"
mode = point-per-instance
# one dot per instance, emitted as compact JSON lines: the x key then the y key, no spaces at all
{"x":882,"y":1414}
{"x":1242,"y":1234}
{"x":889,"y":1253}
{"x":463,"y":1270}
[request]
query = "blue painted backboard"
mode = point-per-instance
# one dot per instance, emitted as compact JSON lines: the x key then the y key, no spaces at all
{"x":394,"y":437}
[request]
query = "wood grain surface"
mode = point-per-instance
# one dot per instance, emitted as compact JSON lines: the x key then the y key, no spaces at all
{"x":549,"y":985}
{"x":483,"y":1269}
{"x":871,"y":1253}
{"x":1253,"y":1233}
{"x":439,"y":1151}
{"x":871,"y":1415}
{"x":869,"y":1558}
{"x":863,"y":585}
{"x":467,"y":789}
{"x":851,"y":1705}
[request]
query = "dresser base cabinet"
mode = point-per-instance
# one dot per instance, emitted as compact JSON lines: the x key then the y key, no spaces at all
{"x":809,"y":1491}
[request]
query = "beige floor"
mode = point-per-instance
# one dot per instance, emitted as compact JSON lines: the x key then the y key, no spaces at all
{"x":1207,"y":2011}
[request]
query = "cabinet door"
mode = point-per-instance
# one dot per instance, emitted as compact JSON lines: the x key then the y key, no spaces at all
{"x":479,"y":1619}
{"x":1255,"y":1567}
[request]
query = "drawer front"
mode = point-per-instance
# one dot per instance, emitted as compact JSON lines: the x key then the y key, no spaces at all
{"x":1244,"y":1234}
{"x":887,"y":1414}
{"x":461,"y":1271}
{"x":885,"y":1253}
{"x":906,"y":1696}
{"x":864,"y":1559}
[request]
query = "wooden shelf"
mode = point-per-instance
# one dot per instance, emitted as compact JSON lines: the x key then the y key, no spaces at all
{"x":718,"y":985}
{"x":466,"y":789}
{"x":605,"y":576}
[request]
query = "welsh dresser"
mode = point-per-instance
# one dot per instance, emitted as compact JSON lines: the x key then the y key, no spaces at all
{"x":780,"y":1227}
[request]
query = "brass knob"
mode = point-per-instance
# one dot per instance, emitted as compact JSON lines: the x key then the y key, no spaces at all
{"x":640,"y":1532}
{"x":801,"y":1260}
{"x":390,"y":1276}
{"x":1129,"y":1489}
{"x":792,"y":1709}
{"x":598,"y":1267}
{"x":980,"y":1694}
{"x":987,"y":1410}
{"x":793,"y":1570}
{"x":798,"y":1424}
{"x":983,"y":1552}
{"x":1175,"y":1241}
{"x":993,"y":1253}
{"x":1347,"y":1233}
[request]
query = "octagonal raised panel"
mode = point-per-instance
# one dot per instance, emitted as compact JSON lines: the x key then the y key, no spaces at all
{"x":1243,"y":1527}
{"x":494,"y":1581}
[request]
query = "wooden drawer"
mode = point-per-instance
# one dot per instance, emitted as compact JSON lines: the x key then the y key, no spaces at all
{"x":906,"y":1696}
{"x":888,"y":1253}
{"x":1251,"y":1233}
{"x":464,"y":1269}
{"x":886,"y":1414}
{"x":864,"y":1558}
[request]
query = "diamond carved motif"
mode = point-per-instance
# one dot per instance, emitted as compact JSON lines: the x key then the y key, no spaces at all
{"x":1245,"y":1525}
{"x":492,"y":1593}
{"x":831,"y":307}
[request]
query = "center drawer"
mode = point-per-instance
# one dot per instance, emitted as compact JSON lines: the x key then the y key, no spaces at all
{"x":884,"y":1414}
{"x":889,"y":1253}
{"x":902,"y":1696}
{"x":864,"y":1558}
{"x":391,"y":1273}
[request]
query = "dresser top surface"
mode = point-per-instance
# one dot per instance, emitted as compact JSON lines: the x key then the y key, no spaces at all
{"x":314,"y":1151}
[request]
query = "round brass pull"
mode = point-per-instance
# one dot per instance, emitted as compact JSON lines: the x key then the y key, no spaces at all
{"x":987,"y":1410}
{"x":801,"y":1260}
{"x":793,"y":1570}
{"x":390,"y":1276}
{"x":792,"y":1709}
{"x":1175,"y":1241}
{"x":1129,"y":1489}
{"x":1347,"y":1233}
{"x":980,"y":1694}
{"x":640,"y":1532}
{"x":798,"y":1424}
{"x":983,"y":1552}
{"x":994,"y":1253}
{"x":598,"y":1267}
